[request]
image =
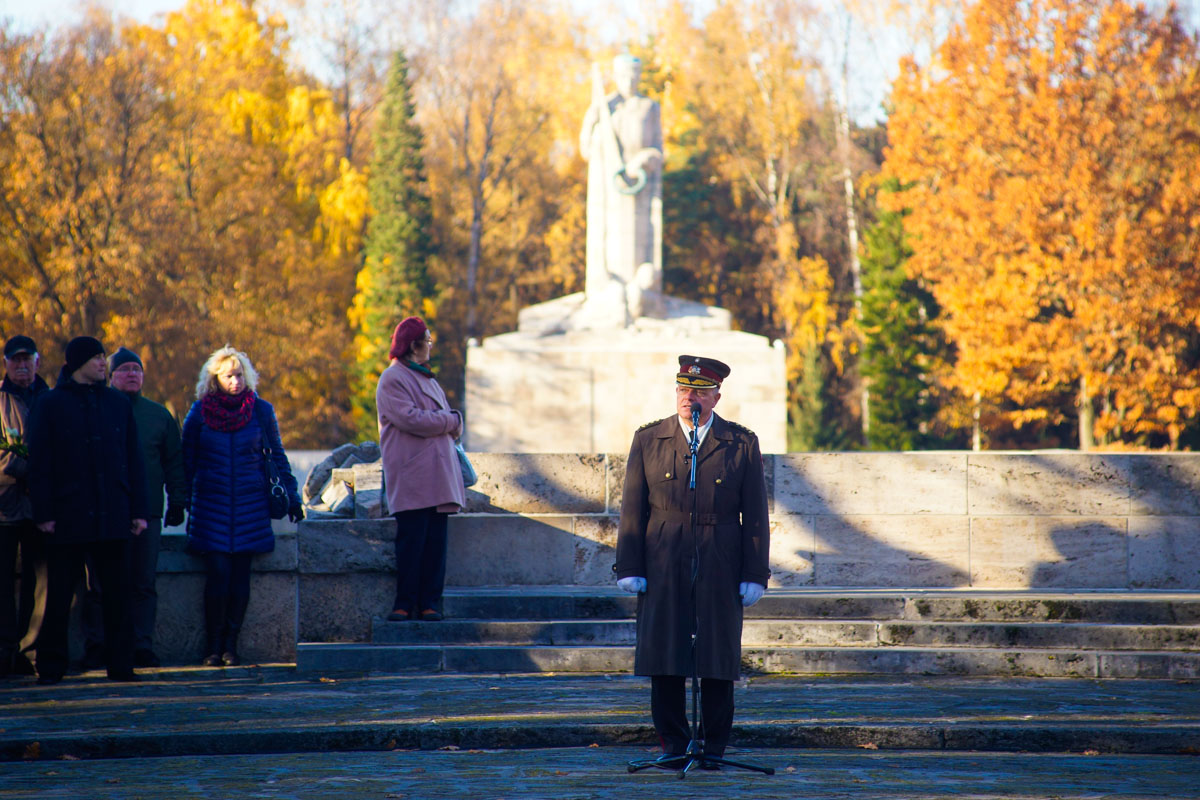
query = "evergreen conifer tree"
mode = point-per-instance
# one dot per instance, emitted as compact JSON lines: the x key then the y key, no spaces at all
{"x":394,"y":281}
{"x":900,"y":343}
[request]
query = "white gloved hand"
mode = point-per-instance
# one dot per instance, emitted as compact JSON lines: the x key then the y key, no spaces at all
{"x":633,"y":585}
{"x":751,"y":593}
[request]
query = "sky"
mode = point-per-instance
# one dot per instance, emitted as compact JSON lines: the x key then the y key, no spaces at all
{"x":874,"y":64}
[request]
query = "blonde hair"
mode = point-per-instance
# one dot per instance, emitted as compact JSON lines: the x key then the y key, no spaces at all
{"x":212,"y":367}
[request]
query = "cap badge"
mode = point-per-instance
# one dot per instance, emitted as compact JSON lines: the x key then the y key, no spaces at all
{"x":694,"y":370}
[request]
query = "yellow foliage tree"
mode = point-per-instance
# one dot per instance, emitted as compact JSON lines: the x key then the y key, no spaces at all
{"x":174,"y":189}
{"x":1053,"y":161}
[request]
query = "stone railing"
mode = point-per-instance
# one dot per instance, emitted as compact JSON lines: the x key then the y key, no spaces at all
{"x":947,"y":520}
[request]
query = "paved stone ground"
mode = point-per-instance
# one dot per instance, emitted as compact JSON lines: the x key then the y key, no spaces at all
{"x":571,"y":773}
{"x":266,"y":732}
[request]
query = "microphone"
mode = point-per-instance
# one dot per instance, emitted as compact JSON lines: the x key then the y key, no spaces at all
{"x":695,"y":415}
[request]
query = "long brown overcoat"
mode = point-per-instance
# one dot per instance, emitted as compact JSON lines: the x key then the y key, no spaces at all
{"x":654,"y":541}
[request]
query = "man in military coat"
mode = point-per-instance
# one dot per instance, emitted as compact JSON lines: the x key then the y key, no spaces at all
{"x":656,"y":551}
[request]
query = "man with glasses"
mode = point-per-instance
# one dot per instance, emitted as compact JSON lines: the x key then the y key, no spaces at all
{"x":659,"y":549}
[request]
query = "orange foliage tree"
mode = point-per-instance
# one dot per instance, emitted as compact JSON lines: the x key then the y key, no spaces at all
{"x":1052,"y":156}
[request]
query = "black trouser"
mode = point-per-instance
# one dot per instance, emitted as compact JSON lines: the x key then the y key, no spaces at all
{"x":15,"y":616}
{"x":668,"y":707}
{"x":64,"y":568}
{"x":420,"y":559}
{"x":226,"y":597}
{"x":143,"y":598}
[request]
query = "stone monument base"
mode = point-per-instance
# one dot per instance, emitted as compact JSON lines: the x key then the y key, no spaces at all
{"x":587,"y":391}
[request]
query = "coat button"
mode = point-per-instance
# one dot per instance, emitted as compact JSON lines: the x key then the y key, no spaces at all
{"x":668,"y":474}
{"x":718,"y":480}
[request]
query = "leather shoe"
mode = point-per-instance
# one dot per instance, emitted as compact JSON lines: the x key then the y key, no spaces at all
{"x":49,"y":680}
{"x":145,"y":658}
{"x":431,"y":615}
{"x":213,"y":660}
{"x":399,"y":615}
{"x":230,"y":659}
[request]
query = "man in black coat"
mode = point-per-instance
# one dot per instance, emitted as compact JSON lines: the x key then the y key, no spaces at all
{"x":656,"y":552}
{"x":20,"y":388}
{"x":88,"y":488}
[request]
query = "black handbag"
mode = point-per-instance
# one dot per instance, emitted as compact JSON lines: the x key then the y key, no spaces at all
{"x":278,"y":501}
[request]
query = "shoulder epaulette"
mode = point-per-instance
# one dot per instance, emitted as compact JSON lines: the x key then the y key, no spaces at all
{"x":741,"y":428}
{"x":651,"y":424}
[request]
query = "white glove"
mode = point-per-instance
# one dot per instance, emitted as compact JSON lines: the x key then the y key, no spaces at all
{"x":633,"y":585}
{"x":751,"y":593}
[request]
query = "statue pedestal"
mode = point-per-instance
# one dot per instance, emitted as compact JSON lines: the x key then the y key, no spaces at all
{"x":588,"y":390}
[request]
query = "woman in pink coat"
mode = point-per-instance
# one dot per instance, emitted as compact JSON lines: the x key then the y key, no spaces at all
{"x":417,"y":429}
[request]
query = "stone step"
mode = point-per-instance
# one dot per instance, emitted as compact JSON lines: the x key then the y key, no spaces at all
{"x":1131,"y":608}
{"x":805,"y":632}
{"x":1053,"y":663}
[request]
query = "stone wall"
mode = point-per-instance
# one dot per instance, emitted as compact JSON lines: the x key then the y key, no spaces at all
{"x":1003,"y":521}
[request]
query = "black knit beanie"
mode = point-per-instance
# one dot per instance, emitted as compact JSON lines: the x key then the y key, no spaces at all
{"x":123,"y":356}
{"x":80,"y":350}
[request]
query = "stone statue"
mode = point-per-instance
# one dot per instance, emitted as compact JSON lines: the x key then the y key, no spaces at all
{"x":621,"y":140}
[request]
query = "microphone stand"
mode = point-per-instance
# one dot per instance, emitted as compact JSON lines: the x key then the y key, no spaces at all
{"x":694,"y":755}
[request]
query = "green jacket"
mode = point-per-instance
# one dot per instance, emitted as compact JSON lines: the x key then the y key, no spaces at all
{"x":158,"y":434}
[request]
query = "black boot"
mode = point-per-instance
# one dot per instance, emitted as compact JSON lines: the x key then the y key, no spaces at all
{"x":237,"y":613}
{"x":216,"y":610}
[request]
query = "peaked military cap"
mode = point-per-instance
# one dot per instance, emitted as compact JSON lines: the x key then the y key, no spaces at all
{"x":701,"y":372}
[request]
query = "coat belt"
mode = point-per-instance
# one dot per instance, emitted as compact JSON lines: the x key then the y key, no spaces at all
{"x":685,"y":518}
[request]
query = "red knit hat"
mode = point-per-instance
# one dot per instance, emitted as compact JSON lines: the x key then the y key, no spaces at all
{"x":405,"y":334}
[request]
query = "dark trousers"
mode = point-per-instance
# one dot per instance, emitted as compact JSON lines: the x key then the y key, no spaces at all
{"x":64,"y":569}
{"x":420,"y":559}
{"x":668,"y":707}
{"x":16,"y":615}
{"x":143,"y":596}
{"x":226,"y":597}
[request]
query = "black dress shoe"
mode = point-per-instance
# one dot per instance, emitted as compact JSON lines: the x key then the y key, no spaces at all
{"x":49,"y":680}
{"x":230,"y":659}
{"x":431,"y":615}
{"x":124,"y":677}
{"x":145,"y":658}
{"x":213,"y":660}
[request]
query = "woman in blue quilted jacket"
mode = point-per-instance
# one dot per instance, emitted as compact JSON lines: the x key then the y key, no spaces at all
{"x":227,"y":436}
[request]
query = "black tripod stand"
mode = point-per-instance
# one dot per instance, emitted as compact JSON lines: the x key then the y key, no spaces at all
{"x":694,"y":755}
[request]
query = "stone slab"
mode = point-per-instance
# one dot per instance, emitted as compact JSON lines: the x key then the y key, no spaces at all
{"x":886,"y":550}
{"x":588,"y":391}
{"x":1050,"y":484}
{"x":595,"y":550}
{"x":793,"y":549}
{"x":332,"y":547}
{"x":1042,"y":552}
{"x":174,"y":556}
{"x":1164,"y":553}
{"x":341,"y":607}
{"x":269,"y":632}
{"x":544,"y":483}
{"x":507,"y":549}
{"x":1165,"y":484}
{"x":917,"y":661}
{"x":870,"y":483}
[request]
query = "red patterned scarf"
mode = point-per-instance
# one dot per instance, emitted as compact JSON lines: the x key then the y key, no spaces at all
{"x":227,"y":412}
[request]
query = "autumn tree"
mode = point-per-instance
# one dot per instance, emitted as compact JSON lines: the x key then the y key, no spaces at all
{"x":394,"y":282}
{"x":1050,"y":158}
{"x":82,"y":125}
{"x":174,"y":189}
{"x":763,"y":126}
{"x":501,"y":91}
{"x":266,"y":220}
